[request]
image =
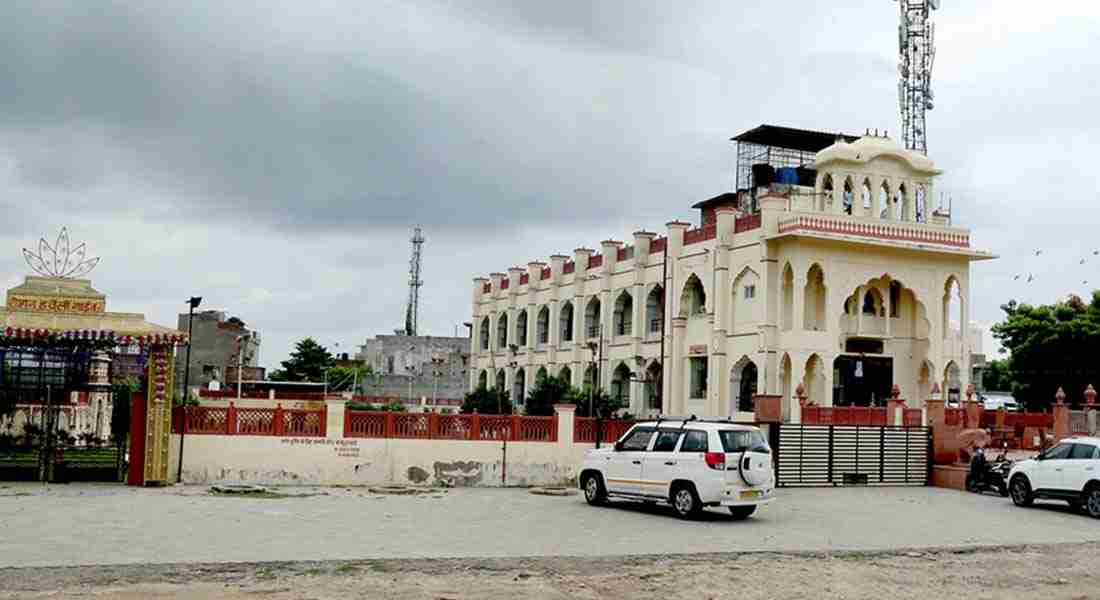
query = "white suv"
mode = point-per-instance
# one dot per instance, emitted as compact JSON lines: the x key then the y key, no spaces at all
{"x":690,"y":464}
{"x":1069,"y":471}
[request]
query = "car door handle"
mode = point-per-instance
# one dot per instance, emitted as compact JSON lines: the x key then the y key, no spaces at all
{"x":636,"y":462}
{"x":1058,"y":470}
{"x":670,"y":462}
{"x":1088,"y":468}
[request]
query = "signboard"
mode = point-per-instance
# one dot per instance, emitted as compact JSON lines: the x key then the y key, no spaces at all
{"x":697,"y":349}
{"x":55,"y":305}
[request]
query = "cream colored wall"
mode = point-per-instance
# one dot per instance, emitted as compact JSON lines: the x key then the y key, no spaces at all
{"x":763,"y":330}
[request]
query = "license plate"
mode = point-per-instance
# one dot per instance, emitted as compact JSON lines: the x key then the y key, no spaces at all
{"x":750,"y":494}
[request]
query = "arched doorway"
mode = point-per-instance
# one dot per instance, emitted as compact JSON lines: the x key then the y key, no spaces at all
{"x":743,"y":385}
{"x":519,"y":387}
{"x":654,"y":386}
{"x":620,"y":384}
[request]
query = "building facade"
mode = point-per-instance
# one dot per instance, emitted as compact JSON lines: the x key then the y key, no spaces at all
{"x":215,"y":344}
{"x":415,"y":367}
{"x":833,"y":273}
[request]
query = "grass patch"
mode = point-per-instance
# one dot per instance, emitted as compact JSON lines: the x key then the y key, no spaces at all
{"x":313,"y":572}
{"x":346,"y":569}
{"x":265,"y":573}
{"x":854,"y":556}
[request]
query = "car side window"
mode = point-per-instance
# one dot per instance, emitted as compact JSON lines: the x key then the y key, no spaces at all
{"x":638,"y":440}
{"x":1082,"y":451}
{"x":694,"y":441}
{"x":666,"y":440}
{"x":1057,"y":452}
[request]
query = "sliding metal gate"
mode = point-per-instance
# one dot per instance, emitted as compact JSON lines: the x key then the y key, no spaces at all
{"x":821,"y":455}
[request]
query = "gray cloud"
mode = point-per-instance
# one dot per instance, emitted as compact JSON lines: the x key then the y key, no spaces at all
{"x":274,"y":155}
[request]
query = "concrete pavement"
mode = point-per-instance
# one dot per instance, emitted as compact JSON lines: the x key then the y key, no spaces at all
{"x":99,"y":524}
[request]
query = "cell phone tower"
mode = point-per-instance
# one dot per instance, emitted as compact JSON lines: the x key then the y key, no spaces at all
{"x":916,"y":53}
{"x":412,"y":310}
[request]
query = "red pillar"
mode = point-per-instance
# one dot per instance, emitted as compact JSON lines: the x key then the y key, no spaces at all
{"x":1061,"y":416}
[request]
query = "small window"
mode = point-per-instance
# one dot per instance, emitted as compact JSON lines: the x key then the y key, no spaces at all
{"x":698,"y":377}
{"x":694,"y":441}
{"x":638,"y":440}
{"x":750,"y":292}
{"x":1082,"y":452}
{"x":1057,"y":452}
{"x":740,"y":441}
{"x":666,"y":441}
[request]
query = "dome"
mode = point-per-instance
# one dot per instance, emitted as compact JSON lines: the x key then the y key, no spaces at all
{"x":868,"y":148}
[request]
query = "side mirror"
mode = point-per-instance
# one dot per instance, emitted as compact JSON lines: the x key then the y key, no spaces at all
{"x":618,"y":446}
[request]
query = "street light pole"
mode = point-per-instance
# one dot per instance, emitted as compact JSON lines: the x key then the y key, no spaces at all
{"x":193,"y":303}
{"x":240,"y":361}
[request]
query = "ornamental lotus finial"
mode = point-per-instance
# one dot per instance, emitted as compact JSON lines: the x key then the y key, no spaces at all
{"x":61,"y":259}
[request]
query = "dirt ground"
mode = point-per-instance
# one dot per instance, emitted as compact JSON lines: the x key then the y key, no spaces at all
{"x":1050,"y":572}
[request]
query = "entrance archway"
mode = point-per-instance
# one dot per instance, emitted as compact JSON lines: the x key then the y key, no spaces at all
{"x":743,"y":385}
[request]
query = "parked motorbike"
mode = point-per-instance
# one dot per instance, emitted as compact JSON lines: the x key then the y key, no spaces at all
{"x":989,"y":476}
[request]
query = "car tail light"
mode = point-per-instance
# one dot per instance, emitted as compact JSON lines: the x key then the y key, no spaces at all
{"x":716,"y":460}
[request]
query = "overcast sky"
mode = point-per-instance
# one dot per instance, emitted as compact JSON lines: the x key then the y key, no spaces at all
{"x":273,"y":156}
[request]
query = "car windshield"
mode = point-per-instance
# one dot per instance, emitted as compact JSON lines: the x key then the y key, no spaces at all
{"x":740,"y":441}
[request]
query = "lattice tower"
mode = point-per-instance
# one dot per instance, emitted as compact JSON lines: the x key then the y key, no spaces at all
{"x":917,"y":53}
{"x":412,"y":309}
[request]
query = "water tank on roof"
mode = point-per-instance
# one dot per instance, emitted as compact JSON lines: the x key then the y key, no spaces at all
{"x":787,"y":176}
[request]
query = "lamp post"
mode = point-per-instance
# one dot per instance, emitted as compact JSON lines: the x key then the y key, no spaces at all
{"x":193,"y":302}
{"x":437,"y":362}
{"x":240,"y":361}
{"x":597,"y":357}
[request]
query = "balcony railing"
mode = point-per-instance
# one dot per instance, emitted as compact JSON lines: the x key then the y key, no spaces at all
{"x":895,"y":232}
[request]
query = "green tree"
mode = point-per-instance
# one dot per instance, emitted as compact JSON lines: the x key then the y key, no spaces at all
{"x":487,"y":401}
{"x":998,"y":376}
{"x":606,"y":406}
{"x":1051,"y":346}
{"x":547,"y":392}
{"x":308,"y":362}
{"x":342,"y":379}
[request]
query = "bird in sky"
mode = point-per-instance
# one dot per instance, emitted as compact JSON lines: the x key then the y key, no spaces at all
{"x":1082,"y":262}
{"x":1030,"y":278}
{"x":1016,"y":278}
{"x":1038,"y":252}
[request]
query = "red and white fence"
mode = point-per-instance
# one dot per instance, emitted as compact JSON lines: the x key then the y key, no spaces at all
{"x":433,"y":426}
{"x":231,"y":420}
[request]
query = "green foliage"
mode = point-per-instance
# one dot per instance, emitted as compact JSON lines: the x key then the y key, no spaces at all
{"x":998,"y":376}
{"x":393,"y":406}
{"x":487,"y":401}
{"x":308,"y":362}
{"x":343,"y":378}
{"x":547,"y":392}
{"x":1051,"y":346}
{"x":606,"y":406}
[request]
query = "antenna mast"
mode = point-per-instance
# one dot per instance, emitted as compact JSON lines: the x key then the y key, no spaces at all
{"x":916,"y":54}
{"x":412,"y":310}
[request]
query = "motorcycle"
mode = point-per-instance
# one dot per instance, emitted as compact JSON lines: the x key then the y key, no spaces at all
{"x":989,"y":476}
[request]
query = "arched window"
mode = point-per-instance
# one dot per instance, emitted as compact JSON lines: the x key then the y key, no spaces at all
{"x":624,"y":315}
{"x":500,"y":381}
{"x":541,"y":374}
{"x":921,"y":207}
{"x":866,"y":193}
{"x":620,"y":384}
{"x":655,"y":309}
{"x":483,"y":335}
{"x":814,"y":298}
{"x":952,"y":308}
{"x":693,"y":301}
{"x":521,"y":329}
{"x":542,"y":326}
{"x":483,"y":379}
{"x":872,"y":303}
{"x":565,"y":322}
{"x":826,"y":193}
{"x":502,"y":332}
{"x":653,"y":386}
{"x":592,"y":318}
{"x":747,"y":387}
{"x":519,"y":387}
{"x":849,"y":195}
{"x":788,"y":298}
{"x":566,"y":374}
{"x":904,"y":206}
{"x":885,"y":207}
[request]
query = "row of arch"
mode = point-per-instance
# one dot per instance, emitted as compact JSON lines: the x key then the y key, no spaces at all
{"x":622,"y":322}
{"x":903,"y":202}
{"x":620,"y":385}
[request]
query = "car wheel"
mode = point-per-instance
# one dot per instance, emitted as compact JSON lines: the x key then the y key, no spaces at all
{"x":741,"y":513}
{"x":1092,"y":501}
{"x":1020,"y":490}
{"x":594,"y":492}
{"x":685,"y":501}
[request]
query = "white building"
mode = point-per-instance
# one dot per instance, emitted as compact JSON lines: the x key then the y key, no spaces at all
{"x":840,"y":277}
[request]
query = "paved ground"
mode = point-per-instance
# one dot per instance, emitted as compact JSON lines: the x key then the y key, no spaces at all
{"x":98,"y":524}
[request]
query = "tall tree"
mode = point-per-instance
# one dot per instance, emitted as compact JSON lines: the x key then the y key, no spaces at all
{"x":547,"y":392}
{"x":308,"y":362}
{"x":1051,"y":346}
{"x":998,"y":376}
{"x":487,"y":401}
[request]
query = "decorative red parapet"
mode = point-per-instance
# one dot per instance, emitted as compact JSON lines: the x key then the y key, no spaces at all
{"x":746,"y":223}
{"x":569,"y":267}
{"x":595,"y":261}
{"x":524,"y":279}
{"x":706,"y":232}
{"x":504,"y":284}
{"x":892,"y":232}
{"x":545,"y":273}
{"x":658,"y":245}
